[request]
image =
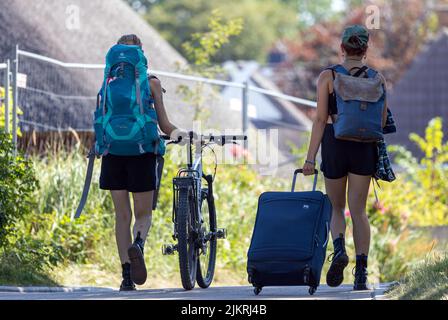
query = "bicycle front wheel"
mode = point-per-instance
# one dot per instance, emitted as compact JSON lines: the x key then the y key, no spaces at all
{"x":207,"y":257}
{"x":186,"y":245}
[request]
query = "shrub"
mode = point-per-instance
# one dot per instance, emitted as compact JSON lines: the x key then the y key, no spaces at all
{"x":3,"y":110}
{"x":61,"y":177}
{"x":17,"y":184}
{"x":422,"y":194}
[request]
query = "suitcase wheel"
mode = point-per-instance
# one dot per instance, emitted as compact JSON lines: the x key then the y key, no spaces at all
{"x":257,"y":290}
{"x":312,"y":290}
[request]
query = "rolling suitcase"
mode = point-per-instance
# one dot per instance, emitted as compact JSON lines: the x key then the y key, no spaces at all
{"x":290,"y":238}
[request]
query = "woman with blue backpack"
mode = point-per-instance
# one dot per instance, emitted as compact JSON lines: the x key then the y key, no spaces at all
{"x":129,"y":109}
{"x":351,"y":115}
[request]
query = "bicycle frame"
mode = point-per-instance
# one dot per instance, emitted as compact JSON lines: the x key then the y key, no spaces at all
{"x":194,"y":239}
{"x":192,"y":175}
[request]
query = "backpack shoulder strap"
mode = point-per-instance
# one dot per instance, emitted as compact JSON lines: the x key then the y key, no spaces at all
{"x":372,"y":73}
{"x":87,"y":182}
{"x":333,"y":70}
{"x":360,"y":71}
{"x":151,"y":76}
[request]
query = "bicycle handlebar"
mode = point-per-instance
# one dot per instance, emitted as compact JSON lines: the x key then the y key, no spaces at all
{"x":220,"y":139}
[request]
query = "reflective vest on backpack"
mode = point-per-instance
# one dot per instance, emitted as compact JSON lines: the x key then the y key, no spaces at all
{"x":360,"y":103}
{"x":125,"y":120}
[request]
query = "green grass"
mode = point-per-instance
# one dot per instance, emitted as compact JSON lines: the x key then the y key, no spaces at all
{"x":83,"y":252}
{"x":427,"y":281}
{"x":88,"y":247}
{"x":16,"y":272}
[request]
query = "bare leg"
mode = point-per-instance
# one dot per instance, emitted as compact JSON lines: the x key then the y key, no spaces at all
{"x":143,"y":213}
{"x":123,"y":216}
{"x":358,"y":189}
{"x":336,"y":190}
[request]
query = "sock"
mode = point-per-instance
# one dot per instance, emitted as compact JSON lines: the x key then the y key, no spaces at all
{"x":361,"y":260}
{"x":126,"y":269}
{"x":139,"y":241}
{"x":339,"y":243}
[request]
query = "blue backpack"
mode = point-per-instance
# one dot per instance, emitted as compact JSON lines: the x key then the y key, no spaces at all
{"x":360,"y":104}
{"x":125,"y":119}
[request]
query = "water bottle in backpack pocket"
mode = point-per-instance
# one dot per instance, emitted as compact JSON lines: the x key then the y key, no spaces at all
{"x":360,"y":103}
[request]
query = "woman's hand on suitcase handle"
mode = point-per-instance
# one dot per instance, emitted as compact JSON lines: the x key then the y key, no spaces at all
{"x":309,"y":167}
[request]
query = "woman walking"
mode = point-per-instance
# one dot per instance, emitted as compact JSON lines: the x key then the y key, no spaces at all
{"x":136,"y":174}
{"x":348,"y":166}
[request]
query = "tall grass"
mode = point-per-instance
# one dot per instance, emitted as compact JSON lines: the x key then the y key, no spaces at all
{"x":90,"y":240}
{"x":87,"y":246}
{"x":427,"y":280}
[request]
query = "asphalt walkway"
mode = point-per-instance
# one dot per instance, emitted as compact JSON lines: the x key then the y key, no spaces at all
{"x":324,"y":292}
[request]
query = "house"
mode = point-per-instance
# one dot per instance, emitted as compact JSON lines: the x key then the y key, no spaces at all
{"x":82,"y":31}
{"x":421,"y":94}
{"x":267,"y":112}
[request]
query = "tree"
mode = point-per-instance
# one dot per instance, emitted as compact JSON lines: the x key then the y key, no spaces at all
{"x":200,"y":50}
{"x":17,"y":184}
{"x":264,"y":22}
{"x":405,"y":27}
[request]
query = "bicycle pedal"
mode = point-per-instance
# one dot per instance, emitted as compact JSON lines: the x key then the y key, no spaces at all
{"x":169,"y":249}
{"x":221,"y":233}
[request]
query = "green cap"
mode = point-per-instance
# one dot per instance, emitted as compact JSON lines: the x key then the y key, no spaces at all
{"x":358,"y":31}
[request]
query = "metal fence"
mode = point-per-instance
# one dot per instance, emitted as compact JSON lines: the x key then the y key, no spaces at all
{"x":5,"y":76}
{"x":28,"y":63}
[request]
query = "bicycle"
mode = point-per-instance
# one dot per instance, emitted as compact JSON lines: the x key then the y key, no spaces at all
{"x":194,"y":214}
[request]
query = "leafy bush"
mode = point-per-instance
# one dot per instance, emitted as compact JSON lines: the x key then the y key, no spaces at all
{"x":17,"y":184}
{"x":22,"y":259}
{"x":417,"y":198}
{"x":3,"y":110}
{"x":61,"y":176}
{"x":53,"y":236}
{"x":422,"y":196}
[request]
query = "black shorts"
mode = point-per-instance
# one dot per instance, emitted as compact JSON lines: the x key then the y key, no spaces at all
{"x":131,"y":173}
{"x":339,"y":157}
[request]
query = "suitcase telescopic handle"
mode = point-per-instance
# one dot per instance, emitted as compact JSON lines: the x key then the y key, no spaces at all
{"x":301,"y":171}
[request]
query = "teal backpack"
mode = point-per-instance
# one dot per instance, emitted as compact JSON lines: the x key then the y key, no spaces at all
{"x":125,"y":118}
{"x":125,"y":121}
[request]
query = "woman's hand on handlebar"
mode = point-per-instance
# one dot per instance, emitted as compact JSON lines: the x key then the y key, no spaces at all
{"x":177,"y":136}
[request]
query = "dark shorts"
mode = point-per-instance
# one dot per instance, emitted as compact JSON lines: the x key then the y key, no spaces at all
{"x":131,"y":173}
{"x":339,"y":157}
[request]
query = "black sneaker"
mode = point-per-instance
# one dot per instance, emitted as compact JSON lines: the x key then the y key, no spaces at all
{"x":138,"y":267}
{"x":339,"y":260}
{"x":360,"y":273}
{"x":127,"y":284}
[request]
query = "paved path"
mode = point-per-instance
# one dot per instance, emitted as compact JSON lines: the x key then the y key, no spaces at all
{"x":343,"y":292}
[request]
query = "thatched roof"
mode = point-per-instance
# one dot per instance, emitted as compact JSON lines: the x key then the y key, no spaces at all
{"x":422,"y":93}
{"x":45,"y":27}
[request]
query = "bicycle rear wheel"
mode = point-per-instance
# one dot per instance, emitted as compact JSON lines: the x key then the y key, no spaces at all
{"x":186,"y":246}
{"x":207,"y":257}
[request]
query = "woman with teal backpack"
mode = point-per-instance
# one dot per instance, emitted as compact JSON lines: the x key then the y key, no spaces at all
{"x":126,"y":121}
{"x":351,"y":114}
